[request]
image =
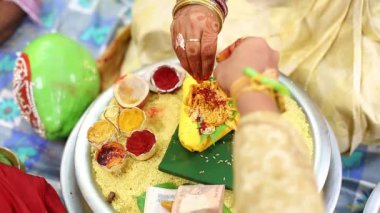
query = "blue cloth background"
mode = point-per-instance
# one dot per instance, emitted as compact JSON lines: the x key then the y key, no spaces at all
{"x":94,"y":26}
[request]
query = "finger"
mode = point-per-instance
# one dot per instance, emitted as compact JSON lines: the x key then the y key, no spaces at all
{"x":193,"y":54}
{"x":218,"y":77}
{"x":271,"y":73}
{"x":208,"y":52}
{"x":226,"y":53}
{"x":272,"y":60}
{"x":216,"y":72}
{"x":173,"y":35}
{"x":180,"y":52}
{"x":276,"y":58}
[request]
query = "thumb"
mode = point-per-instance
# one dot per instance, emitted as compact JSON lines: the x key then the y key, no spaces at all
{"x":227,"y":52}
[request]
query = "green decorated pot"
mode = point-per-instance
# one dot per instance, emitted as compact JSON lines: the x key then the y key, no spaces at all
{"x":55,"y":79}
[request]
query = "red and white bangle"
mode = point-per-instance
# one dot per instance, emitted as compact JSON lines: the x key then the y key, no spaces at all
{"x":223,"y":6}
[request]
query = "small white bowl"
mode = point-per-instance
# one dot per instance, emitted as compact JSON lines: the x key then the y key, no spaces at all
{"x":116,"y":167}
{"x":146,"y":155}
{"x":180,"y":76}
{"x":135,"y":87}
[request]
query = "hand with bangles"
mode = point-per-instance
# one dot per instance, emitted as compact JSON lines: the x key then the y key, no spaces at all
{"x":248,"y":52}
{"x":195,"y":28}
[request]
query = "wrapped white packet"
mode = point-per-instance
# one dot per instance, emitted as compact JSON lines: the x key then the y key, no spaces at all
{"x":154,"y":197}
{"x":199,"y":198}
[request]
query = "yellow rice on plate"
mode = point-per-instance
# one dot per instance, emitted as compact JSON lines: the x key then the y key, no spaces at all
{"x":162,"y":118}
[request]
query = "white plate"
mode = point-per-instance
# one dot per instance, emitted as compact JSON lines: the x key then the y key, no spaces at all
{"x":373,"y":203}
{"x":88,"y":187}
{"x":333,"y":184}
{"x":72,"y":196}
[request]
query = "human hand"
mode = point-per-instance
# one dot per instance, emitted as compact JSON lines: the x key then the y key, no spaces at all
{"x":246,"y":52}
{"x":194,"y":33}
{"x":10,"y":17}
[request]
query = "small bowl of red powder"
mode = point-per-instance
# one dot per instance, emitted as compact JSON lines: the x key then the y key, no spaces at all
{"x":111,"y":156}
{"x":166,"y":79}
{"x":141,"y":144}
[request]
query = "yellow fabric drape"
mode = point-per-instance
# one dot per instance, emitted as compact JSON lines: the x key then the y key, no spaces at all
{"x":329,"y":47}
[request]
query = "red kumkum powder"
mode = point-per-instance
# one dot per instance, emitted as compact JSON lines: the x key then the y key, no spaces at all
{"x":140,"y":142}
{"x":213,"y":101}
{"x":165,"y":78}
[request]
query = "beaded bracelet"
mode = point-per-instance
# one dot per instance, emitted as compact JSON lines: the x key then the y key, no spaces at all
{"x":253,"y":81}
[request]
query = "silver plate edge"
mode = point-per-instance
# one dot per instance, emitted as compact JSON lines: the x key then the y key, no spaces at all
{"x":373,"y":202}
{"x":333,"y":182}
{"x":319,"y":131}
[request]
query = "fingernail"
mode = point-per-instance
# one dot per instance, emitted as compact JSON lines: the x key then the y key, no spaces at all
{"x":220,"y":58}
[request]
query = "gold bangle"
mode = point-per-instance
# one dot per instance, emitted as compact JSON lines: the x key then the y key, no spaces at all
{"x":237,"y":85}
{"x":280,"y":102}
{"x":213,"y":7}
{"x":240,"y":89}
{"x":245,"y":84}
{"x":257,"y":88}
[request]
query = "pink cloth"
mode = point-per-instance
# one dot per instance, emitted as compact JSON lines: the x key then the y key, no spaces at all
{"x":31,"y":7}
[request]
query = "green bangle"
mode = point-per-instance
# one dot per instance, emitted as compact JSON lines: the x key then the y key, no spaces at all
{"x":276,"y":85}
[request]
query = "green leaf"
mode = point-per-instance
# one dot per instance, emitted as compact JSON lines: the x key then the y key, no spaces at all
{"x":231,"y":103}
{"x":176,"y":157}
{"x":167,"y":186}
{"x":141,"y":199}
{"x":5,"y":160}
{"x":226,"y":209}
{"x":141,"y":202}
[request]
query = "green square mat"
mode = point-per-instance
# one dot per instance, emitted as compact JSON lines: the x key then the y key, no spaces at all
{"x":212,"y":166}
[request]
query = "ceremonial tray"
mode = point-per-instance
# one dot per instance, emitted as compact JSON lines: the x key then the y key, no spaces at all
{"x":75,"y":202}
{"x":82,"y":162}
